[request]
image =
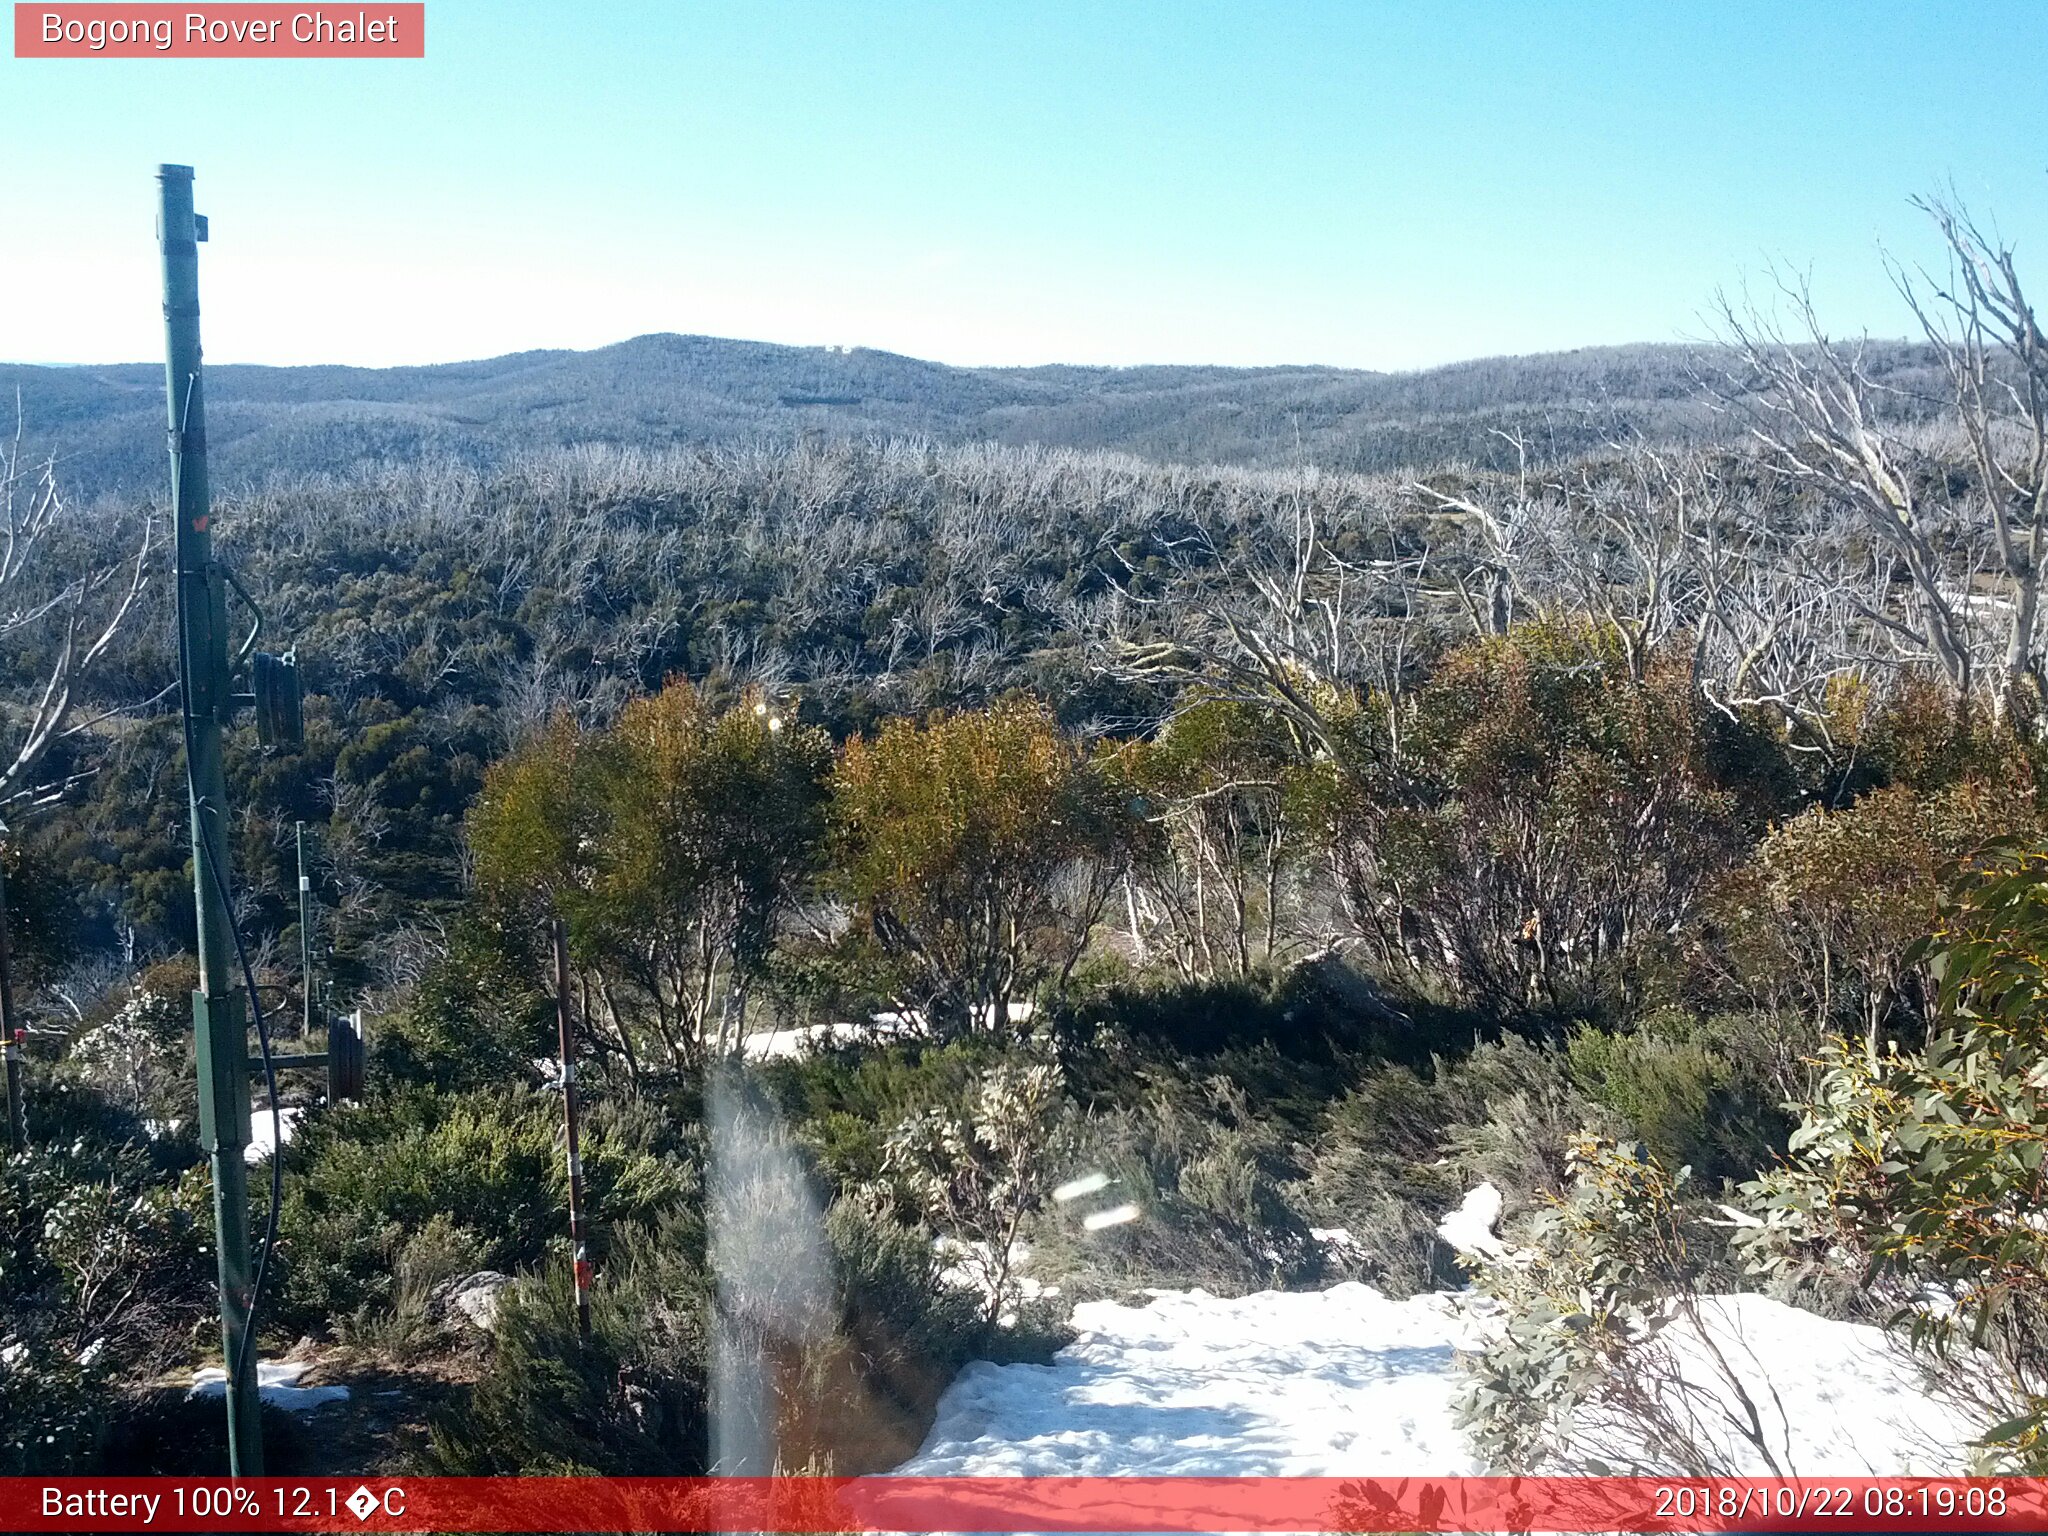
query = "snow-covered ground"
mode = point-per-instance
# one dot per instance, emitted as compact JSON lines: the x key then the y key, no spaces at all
{"x":804,"y":1039}
{"x":966,"y":1267}
{"x":278,"y":1383}
{"x":1347,"y":1382}
{"x":1831,"y":1398}
{"x":1277,"y":1383}
{"x":263,"y":1130}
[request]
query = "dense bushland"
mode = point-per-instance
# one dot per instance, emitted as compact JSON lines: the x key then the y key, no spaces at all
{"x":1064,"y":870}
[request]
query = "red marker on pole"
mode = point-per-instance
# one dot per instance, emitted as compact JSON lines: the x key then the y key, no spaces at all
{"x":578,"y":1237}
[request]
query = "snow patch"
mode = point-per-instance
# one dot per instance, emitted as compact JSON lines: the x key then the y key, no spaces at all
{"x":263,"y":1132}
{"x":1320,"y":1383}
{"x":1346,"y":1382}
{"x":1469,"y":1229}
{"x":967,"y":1267}
{"x":1831,"y":1398}
{"x":277,"y":1381}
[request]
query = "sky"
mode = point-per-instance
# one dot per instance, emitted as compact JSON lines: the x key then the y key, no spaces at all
{"x":1374,"y":185}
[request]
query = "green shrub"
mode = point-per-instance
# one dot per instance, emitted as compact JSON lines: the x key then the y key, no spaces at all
{"x":671,"y":843}
{"x":405,"y":1328}
{"x":1513,"y":1113}
{"x":1929,"y":1168}
{"x":627,"y":1401}
{"x":1377,"y":1170}
{"x":476,"y":1018}
{"x":53,"y":1415}
{"x":977,"y":1175}
{"x":1687,"y":1102}
{"x":1208,"y":1179}
{"x":1320,"y":1012}
{"x":1604,"y":1269}
{"x":104,"y":1274}
{"x":1820,"y":916}
{"x":1398,"y":1152}
{"x":136,"y":1050}
{"x":843,"y":1103}
{"x":363,"y":1181}
{"x":635,"y":1397}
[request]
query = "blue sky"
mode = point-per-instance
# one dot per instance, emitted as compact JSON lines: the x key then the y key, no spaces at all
{"x":1373,"y":185}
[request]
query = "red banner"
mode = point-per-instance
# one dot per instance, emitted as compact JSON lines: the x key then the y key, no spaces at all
{"x":989,"y":1504}
{"x":235,"y":31}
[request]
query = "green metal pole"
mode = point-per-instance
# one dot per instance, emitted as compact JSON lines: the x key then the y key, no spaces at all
{"x":221,"y":1035}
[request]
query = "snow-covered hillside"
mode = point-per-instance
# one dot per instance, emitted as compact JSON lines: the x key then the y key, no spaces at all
{"x":1346,"y":1382}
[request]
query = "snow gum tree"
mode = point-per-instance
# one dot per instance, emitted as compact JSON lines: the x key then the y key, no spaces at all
{"x":1829,"y":903}
{"x":1212,"y":893}
{"x":671,"y":844}
{"x":1540,"y":822}
{"x":976,"y":850}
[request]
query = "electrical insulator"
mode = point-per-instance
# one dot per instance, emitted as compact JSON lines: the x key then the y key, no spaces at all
{"x":344,"y":1057}
{"x":279,"y":705}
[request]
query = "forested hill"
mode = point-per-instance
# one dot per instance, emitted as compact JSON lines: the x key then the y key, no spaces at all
{"x":661,"y":390}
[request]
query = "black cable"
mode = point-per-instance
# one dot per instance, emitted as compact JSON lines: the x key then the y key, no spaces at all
{"x":220,"y":889}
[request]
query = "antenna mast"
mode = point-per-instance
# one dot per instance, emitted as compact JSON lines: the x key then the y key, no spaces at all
{"x":205,"y":675}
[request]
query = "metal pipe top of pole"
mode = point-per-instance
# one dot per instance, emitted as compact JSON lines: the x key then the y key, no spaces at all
{"x":178,"y":225}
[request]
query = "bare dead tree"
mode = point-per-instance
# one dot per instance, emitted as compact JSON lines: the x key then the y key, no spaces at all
{"x":1819,"y":418}
{"x":1634,"y":564}
{"x":1302,"y":634}
{"x":78,"y":613}
{"x":1662,"y":549}
{"x":1984,"y":330}
{"x":1778,"y":616}
{"x":1503,"y":544}
{"x":1614,"y":544}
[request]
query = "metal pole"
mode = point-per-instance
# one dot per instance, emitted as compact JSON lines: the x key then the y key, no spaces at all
{"x":578,"y":1238}
{"x":17,"y":1120}
{"x":221,"y":1036}
{"x":305,"y":929}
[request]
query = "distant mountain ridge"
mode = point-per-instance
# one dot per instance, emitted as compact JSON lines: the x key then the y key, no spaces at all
{"x":106,"y":422}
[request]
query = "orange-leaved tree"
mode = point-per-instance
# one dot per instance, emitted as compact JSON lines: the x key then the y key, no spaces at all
{"x":1826,"y":908}
{"x":976,"y":851}
{"x":672,"y":844}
